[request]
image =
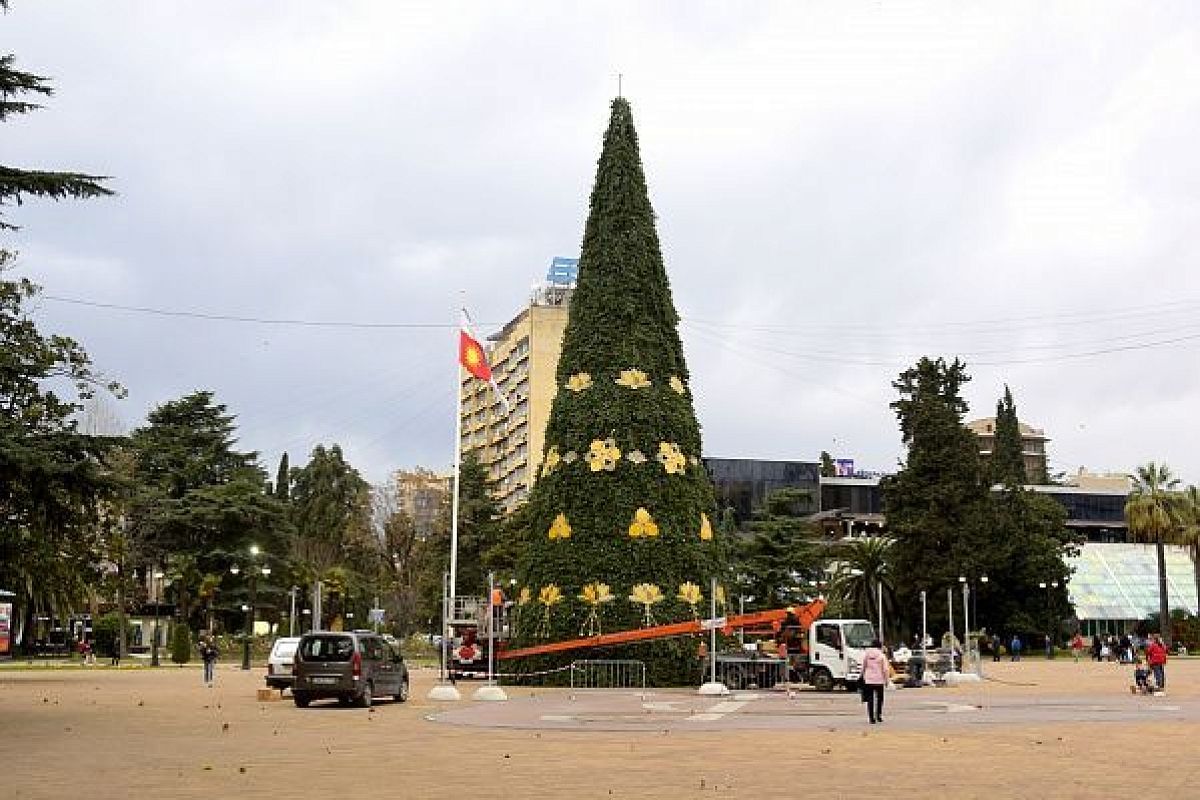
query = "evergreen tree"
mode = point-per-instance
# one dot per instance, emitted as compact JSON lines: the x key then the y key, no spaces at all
{"x":198,"y":496}
{"x":947,"y":523}
{"x":938,"y":501}
{"x":52,"y":477}
{"x":623,"y":498}
{"x":780,"y":558}
{"x":1007,"y":465}
{"x":828,"y":468}
{"x":16,"y":184}
{"x":283,"y":479}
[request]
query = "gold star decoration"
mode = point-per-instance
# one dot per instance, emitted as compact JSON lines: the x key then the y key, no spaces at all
{"x":633,"y":379}
{"x":602,"y":456}
{"x":673,"y":461}
{"x":646,"y":595}
{"x":579,"y":381}
{"x":643,"y":525}
{"x":677,"y":385}
{"x":551,"y":460}
{"x":706,"y":532}
{"x":560,"y":528}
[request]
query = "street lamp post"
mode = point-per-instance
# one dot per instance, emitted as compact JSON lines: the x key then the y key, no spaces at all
{"x":1049,"y":615}
{"x":156,"y":577}
{"x":252,"y":573}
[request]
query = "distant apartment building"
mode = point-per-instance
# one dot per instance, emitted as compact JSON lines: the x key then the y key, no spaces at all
{"x":1033,"y":446}
{"x":422,"y":494}
{"x":524,"y":358}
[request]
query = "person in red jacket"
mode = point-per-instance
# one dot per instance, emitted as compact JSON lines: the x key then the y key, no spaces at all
{"x":1156,"y":657}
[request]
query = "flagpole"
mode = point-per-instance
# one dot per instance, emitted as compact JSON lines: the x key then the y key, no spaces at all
{"x":445,"y":691}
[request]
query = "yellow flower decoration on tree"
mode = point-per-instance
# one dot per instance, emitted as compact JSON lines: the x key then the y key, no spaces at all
{"x":594,"y":595}
{"x":552,"y":460}
{"x":646,"y":595}
{"x":673,"y":461}
{"x":677,"y":385}
{"x":602,"y":456}
{"x":706,"y":532}
{"x":633,"y":378}
{"x":560,"y":528}
{"x":524,"y":597}
{"x":579,"y":381}
{"x":549,"y":597}
{"x":690,"y":594}
{"x":643,"y":525}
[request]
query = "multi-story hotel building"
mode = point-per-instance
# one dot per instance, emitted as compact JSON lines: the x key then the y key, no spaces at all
{"x":1033,"y":446}
{"x":524,"y":358}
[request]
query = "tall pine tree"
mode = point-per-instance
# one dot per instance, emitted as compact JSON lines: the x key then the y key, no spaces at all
{"x":1007,"y":465}
{"x":622,"y":499}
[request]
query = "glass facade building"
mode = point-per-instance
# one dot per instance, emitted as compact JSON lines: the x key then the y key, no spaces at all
{"x":1116,"y":585}
{"x":743,"y":484}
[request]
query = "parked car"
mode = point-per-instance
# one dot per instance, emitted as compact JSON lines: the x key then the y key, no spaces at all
{"x":279,"y":663}
{"x":351,"y":667}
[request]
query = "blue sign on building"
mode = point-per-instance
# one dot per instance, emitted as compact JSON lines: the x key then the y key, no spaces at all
{"x":563,"y":271}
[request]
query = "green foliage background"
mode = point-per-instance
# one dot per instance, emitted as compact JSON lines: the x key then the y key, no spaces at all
{"x":622,"y":317}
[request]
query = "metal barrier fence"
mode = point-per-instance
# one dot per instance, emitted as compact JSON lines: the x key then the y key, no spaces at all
{"x":747,"y":673}
{"x":608,"y":674}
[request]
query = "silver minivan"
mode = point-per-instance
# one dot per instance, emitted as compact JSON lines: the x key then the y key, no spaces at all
{"x":351,"y":667}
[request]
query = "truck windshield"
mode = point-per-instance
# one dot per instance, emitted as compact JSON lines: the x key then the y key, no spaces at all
{"x":858,"y":634}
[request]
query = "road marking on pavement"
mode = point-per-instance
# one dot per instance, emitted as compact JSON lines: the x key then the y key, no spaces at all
{"x":718,"y":711}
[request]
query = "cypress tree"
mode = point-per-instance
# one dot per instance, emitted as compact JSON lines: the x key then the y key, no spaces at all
{"x":622,"y":498}
{"x":1007,"y":464}
{"x":283,"y":479}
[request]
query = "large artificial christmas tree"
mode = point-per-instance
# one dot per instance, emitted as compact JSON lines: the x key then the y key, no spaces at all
{"x":621,"y":514}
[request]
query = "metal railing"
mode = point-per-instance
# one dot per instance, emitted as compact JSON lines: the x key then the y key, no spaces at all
{"x":608,"y":674}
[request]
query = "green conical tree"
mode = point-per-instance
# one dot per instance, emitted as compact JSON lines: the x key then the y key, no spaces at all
{"x":1007,"y":466}
{"x":283,"y":479}
{"x":622,"y":498}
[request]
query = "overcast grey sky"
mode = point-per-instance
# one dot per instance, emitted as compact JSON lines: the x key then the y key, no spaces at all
{"x":841,"y":188}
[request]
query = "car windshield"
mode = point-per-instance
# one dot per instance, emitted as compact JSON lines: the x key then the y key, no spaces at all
{"x":858,"y":634}
{"x":327,"y":648}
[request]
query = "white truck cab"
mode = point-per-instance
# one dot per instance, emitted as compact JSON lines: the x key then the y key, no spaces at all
{"x":835,"y":651}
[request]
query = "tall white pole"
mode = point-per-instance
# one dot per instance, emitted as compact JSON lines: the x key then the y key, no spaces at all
{"x":950,"y":624}
{"x":966,"y":624}
{"x":454,"y":497}
{"x":712,"y":650}
{"x":881,"y":639}
{"x":491,"y":627}
{"x":924,"y":631}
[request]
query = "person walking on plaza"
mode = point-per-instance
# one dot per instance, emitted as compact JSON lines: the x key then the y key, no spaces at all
{"x":208,"y":654}
{"x":116,"y":653}
{"x":1076,"y":646}
{"x":1014,"y":648}
{"x":995,"y":647}
{"x":874,"y":675}
{"x":1156,"y":657}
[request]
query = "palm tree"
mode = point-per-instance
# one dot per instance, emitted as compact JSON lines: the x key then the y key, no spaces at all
{"x":1190,"y":534}
{"x":1152,"y":513}
{"x":863,"y":574}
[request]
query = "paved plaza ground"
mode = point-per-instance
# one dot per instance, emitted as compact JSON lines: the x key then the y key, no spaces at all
{"x":1037,"y":729}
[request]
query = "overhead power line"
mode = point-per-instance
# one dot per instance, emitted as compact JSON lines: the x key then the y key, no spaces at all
{"x":310,"y":323}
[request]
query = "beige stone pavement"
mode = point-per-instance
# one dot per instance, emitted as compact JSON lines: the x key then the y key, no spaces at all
{"x":161,"y":734}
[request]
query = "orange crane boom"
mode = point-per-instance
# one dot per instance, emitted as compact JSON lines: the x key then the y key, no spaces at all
{"x":805,"y":615}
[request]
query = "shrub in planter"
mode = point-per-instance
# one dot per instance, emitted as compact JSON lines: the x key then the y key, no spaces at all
{"x":181,"y":644}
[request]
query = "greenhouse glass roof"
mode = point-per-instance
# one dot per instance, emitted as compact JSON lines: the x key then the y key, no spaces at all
{"x":1120,"y":581}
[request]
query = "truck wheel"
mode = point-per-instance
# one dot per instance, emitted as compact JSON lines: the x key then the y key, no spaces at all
{"x":822,"y":681}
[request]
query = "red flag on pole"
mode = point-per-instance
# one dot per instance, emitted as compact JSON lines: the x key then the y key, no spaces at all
{"x":472,"y":357}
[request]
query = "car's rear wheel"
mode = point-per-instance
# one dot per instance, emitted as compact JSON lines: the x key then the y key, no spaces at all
{"x":366,"y":696}
{"x":301,"y":699}
{"x":402,"y":693}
